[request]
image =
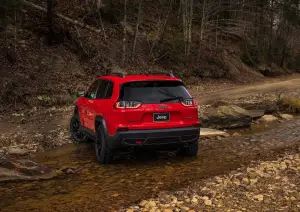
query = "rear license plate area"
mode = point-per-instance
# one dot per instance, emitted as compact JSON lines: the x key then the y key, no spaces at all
{"x":161,"y":117}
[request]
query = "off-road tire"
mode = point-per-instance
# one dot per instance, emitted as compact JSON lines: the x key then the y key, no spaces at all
{"x":76,"y":135}
{"x":103,"y":153}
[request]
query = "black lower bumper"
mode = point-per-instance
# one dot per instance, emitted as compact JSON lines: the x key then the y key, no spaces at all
{"x":157,"y":137}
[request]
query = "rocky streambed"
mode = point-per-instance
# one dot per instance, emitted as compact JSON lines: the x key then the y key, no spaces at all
{"x":82,"y":185}
{"x":263,"y":186}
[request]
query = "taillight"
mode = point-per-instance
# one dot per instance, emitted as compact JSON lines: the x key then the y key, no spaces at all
{"x":189,"y":102}
{"x":127,"y":104}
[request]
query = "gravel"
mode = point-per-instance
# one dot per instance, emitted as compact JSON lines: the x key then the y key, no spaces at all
{"x":263,"y":186}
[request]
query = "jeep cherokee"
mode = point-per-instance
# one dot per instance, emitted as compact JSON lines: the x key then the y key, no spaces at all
{"x":121,"y":112}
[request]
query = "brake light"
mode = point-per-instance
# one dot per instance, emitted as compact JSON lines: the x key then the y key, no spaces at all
{"x":189,"y":102}
{"x":127,"y":104}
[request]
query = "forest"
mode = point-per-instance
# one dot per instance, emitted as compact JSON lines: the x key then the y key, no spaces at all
{"x":240,"y":40}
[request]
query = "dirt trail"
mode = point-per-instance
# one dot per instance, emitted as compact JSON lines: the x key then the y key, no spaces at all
{"x":242,"y":91}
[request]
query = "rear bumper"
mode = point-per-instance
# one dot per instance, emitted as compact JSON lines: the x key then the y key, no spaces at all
{"x":157,"y":137}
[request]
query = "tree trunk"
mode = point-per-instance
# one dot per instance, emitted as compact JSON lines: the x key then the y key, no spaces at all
{"x":187,"y":18}
{"x":202,"y":20}
{"x":124,"y":34}
{"x":271,"y":26}
{"x":99,"y":5}
{"x":50,"y":14}
{"x":136,"y":30}
{"x":184,"y":23}
{"x":190,"y":21}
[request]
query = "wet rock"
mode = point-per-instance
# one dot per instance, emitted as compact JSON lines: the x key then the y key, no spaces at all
{"x":70,"y":171}
{"x":11,"y":170}
{"x":143,"y":203}
{"x":15,"y":150}
{"x":208,"y":202}
{"x":184,"y":209}
{"x":256,"y":114}
{"x":236,"y":134}
{"x":245,"y":181}
{"x":268,"y":118}
{"x":206,"y":132}
{"x":259,"y":197}
{"x":194,"y":200}
{"x":286,"y":116}
{"x":150,"y":204}
{"x":283,"y":166}
{"x":227,"y":117}
{"x":153,"y":209}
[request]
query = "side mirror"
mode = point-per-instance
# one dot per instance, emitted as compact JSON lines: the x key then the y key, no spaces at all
{"x":80,"y":93}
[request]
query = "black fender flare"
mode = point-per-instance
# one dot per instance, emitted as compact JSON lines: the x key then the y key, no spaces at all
{"x":99,"y":120}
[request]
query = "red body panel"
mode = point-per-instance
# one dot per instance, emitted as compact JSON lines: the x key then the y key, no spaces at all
{"x":134,"y":119}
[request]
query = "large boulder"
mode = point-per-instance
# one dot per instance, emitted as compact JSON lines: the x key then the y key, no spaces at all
{"x":268,"y":107}
{"x":227,"y":117}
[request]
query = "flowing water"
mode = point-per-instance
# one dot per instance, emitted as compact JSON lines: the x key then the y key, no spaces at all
{"x":94,"y":187}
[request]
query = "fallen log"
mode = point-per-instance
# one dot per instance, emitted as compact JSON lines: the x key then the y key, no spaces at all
{"x":75,"y":22}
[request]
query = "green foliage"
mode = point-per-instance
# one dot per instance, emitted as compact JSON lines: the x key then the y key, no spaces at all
{"x":289,"y":104}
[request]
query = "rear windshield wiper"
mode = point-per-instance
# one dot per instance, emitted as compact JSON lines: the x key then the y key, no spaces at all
{"x":173,"y":98}
{"x":166,"y":93}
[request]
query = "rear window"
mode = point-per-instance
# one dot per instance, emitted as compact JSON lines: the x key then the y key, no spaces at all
{"x":153,"y":91}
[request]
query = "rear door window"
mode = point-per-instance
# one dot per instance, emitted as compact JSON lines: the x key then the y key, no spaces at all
{"x":153,"y":91}
{"x":109,"y":91}
{"x":102,"y":89}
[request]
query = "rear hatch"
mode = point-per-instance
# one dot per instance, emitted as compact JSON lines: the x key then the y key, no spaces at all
{"x":157,"y":104}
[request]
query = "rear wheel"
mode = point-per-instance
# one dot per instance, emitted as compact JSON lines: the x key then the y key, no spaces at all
{"x":76,"y":135}
{"x":103,"y":153}
{"x":191,"y":150}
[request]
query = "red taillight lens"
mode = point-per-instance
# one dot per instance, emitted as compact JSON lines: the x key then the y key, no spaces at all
{"x":189,"y":102}
{"x":127,"y":104}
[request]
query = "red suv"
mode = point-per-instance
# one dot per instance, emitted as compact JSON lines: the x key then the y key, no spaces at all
{"x":121,"y":112}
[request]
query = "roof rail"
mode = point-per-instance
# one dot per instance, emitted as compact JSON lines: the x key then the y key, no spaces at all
{"x":160,"y":73}
{"x":118,"y":74}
